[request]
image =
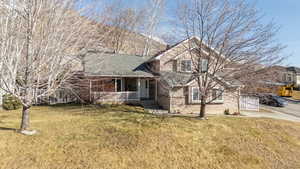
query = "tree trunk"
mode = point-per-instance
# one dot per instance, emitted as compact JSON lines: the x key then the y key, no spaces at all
{"x":202,"y":110}
{"x":25,"y":118}
{"x":202,"y":107}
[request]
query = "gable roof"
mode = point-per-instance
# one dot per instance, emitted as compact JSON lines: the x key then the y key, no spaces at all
{"x":109,"y":64}
{"x":294,"y":69}
{"x":160,"y":54}
{"x":175,"y":79}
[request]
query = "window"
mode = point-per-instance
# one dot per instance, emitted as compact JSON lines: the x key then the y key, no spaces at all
{"x":217,"y":94}
{"x":204,"y":65}
{"x":195,"y":94}
{"x":97,"y":86}
{"x":118,"y":85}
{"x":106,"y":85}
{"x":284,"y":77}
{"x":194,"y":45}
{"x":186,"y":65}
{"x":289,"y":78}
{"x":146,"y":84}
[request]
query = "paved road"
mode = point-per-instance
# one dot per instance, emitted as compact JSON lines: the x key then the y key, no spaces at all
{"x":293,"y":108}
{"x":274,"y":115}
{"x":291,"y":112}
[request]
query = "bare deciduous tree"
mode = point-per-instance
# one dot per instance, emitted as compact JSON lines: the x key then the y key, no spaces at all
{"x":231,"y":41}
{"x":154,"y":14}
{"x":123,"y":22}
{"x":40,"y":42}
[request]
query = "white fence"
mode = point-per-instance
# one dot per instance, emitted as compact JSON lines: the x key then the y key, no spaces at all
{"x":249,"y":103}
{"x":116,"y":96}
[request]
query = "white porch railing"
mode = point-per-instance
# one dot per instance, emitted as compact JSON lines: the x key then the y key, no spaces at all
{"x":116,"y":96}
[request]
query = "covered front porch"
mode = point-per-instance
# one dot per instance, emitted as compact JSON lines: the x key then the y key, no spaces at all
{"x":122,"y":89}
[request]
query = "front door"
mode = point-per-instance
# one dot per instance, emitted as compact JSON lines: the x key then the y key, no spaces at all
{"x":144,"y":88}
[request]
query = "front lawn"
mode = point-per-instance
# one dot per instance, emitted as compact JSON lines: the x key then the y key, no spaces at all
{"x":120,"y":137}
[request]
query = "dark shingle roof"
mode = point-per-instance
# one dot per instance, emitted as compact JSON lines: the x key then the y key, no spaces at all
{"x":108,"y":64}
{"x":294,"y":69}
{"x":230,"y":81}
{"x":174,"y":79}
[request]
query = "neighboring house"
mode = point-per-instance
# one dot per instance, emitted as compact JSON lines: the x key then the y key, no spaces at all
{"x":166,"y":79}
{"x":288,"y":75}
{"x":293,"y":75}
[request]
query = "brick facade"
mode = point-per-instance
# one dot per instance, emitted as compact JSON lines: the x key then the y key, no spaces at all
{"x":177,"y":99}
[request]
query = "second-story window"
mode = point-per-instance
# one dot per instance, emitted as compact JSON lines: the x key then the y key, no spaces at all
{"x":186,"y":65}
{"x":204,"y":65}
{"x":289,"y":77}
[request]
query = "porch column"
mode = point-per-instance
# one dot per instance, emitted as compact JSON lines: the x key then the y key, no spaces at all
{"x":139,"y":88}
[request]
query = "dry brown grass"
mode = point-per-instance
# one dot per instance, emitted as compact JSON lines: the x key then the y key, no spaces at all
{"x":125,"y":137}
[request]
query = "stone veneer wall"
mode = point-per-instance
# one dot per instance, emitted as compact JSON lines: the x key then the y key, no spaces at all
{"x":163,"y":98}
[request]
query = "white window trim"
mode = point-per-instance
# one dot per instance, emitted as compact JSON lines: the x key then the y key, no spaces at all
{"x":199,"y":101}
{"x":202,"y":64}
{"x":289,"y":77}
{"x":218,"y":100}
{"x":192,"y":94}
{"x":181,"y":65}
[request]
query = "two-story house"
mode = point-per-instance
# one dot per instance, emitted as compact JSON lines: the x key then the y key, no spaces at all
{"x":287,"y":75}
{"x":292,"y":75}
{"x":166,"y":78}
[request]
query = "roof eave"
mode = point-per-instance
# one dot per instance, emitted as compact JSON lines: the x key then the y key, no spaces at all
{"x":139,"y":76}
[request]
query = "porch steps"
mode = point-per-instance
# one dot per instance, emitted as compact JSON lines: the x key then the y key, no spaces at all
{"x":153,"y":107}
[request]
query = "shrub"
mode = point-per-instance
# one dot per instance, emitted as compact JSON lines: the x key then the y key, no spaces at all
{"x":226,"y":112}
{"x":10,"y":102}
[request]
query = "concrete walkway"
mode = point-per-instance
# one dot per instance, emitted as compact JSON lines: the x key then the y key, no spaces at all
{"x":273,"y":115}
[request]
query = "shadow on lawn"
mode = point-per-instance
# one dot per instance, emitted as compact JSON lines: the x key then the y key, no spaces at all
{"x":139,"y":115}
{"x":119,"y":113}
{"x":7,"y":129}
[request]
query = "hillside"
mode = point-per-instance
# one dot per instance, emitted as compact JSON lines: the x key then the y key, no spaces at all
{"x":130,"y":42}
{"x":123,"y":137}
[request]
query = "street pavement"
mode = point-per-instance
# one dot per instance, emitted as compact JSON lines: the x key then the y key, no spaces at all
{"x":293,"y":108}
{"x":291,"y":112}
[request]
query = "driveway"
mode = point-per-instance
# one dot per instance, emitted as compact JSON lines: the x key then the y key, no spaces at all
{"x":291,"y":112}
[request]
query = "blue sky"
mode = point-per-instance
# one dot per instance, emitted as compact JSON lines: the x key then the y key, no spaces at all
{"x":285,"y":13}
